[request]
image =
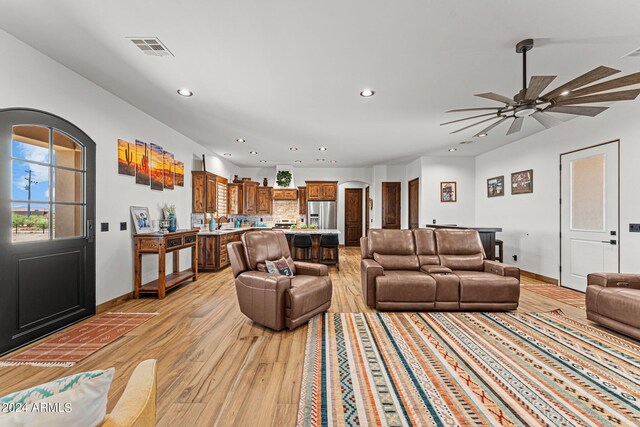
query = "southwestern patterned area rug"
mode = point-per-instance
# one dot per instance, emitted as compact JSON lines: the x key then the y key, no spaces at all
{"x":78,"y":342}
{"x":462,"y":369}
{"x":558,"y":293}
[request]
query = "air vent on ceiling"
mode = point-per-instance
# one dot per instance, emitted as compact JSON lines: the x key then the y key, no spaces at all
{"x":635,"y":52}
{"x":466,"y":142}
{"x":151,"y":46}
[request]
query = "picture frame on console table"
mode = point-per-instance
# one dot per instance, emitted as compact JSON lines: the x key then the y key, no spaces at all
{"x":449,"y":192}
{"x":141,"y":219}
{"x":522,"y":182}
{"x":495,"y":186}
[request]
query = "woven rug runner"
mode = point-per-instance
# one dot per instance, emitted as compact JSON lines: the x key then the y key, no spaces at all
{"x":78,"y":342}
{"x":558,"y":293}
{"x":463,"y":369}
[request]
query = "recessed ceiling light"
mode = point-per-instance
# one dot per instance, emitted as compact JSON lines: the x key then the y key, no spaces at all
{"x":227,"y":154}
{"x":482,"y":135}
{"x":293,"y":148}
{"x":240,"y":140}
{"x":565,"y":93}
{"x":298,"y":161}
{"x":320,"y":160}
{"x":333,"y":161}
{"x":367,"y":93}
{"x":452,"y":150}
{"x":185,"y":92}
{"x":253,"y":152}
{"x":263,"y":161}
{"x":322,"y":149}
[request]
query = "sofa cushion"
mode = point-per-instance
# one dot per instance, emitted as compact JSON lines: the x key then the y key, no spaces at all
{"x":280,"y":266}
{"x":391,"y":242}
{"x":397,"y":262}
{"x":478,"y":286}
{"x":620,"y":304}
{"x":263,"y":245}
{"x":405,"y":286}
{"x":306,"y":294}
{"x":426,"y":246}
{"x":460,"y":249}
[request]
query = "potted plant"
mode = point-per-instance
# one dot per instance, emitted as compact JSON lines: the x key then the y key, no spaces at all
{"x":169,"y":212}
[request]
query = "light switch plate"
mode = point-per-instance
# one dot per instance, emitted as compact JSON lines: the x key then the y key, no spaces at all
{"x":104,"y":226}
{"x":634,"y":228}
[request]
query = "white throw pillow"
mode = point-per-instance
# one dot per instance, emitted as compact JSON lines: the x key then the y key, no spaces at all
{"x":76,"y":400}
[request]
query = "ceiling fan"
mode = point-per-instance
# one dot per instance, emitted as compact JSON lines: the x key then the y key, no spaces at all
{"x":566,"y":99}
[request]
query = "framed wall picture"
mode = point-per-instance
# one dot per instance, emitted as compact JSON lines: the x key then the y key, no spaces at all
{"x":179,"y":174}
{"x":448,"y":192}
{"x":495,"y":186}
{"x":169,"y":170}
{"x":522,"y":182}
{"x":157,"y":167}
{"x":126,"y":158}
{"x":143,"y":156}
{"x":141,"y":219}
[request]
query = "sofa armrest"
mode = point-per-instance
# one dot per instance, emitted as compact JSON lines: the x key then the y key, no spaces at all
{"x":435,"y":269}
{"x":261,"y":297}
{"x":501,"y":269}
{"x":137,"y":405}
{"x":369,"y":270}
{"x":311,"y":269}
{"x":614,"y":280}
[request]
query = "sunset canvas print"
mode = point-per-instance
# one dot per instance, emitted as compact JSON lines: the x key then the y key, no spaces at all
{"x":142,"y":163}
{"x":179,"y":174}
{"x":157,"y":166}
{"x":169,"y":170}
{"x":126,"y":158}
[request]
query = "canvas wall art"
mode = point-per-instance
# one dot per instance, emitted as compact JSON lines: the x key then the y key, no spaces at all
{"x":179,"y":174}
{"x":448,"y":192}
{"x":522,"y":182}
{"x":126,"y":158}
{"x":143,"y":175}
{"x":169,"y":170}
{"x":157,"y":167}
{"x":495,"y":186}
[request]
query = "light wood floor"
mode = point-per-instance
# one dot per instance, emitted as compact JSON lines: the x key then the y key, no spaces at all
{"x":215,"y":367}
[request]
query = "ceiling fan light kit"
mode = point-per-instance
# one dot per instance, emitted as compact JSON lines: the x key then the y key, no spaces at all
{"x":565,"y":99}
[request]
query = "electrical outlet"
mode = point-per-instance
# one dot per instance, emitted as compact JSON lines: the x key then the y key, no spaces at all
{"x":634,"y":228}
{"x":123,"y":226}
{"x":515,"y":257}
{"x":434,"y":221}
{"x":104,"y":226}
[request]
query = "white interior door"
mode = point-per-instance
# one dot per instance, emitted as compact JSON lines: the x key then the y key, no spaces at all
{"x":589,"y":214}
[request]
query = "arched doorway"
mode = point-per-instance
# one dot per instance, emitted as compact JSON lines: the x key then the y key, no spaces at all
{"x":47,"y":214}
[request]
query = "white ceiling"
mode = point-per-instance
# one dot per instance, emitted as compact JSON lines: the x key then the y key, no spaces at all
{"x":283,"y":73}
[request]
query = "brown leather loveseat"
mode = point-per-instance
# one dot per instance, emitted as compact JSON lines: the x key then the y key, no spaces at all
{"x":426,"y":269}
{"x":277,"y":301}
{"x":613,"y":300}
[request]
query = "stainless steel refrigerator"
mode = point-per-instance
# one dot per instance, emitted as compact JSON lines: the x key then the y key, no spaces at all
{"x":322,"y":214}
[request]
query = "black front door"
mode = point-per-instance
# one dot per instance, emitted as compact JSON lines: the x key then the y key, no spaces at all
{"x":47,"y":212}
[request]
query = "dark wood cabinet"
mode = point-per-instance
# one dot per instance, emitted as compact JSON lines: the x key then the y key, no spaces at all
{"x":285,"y":194}
{"x":212,"y":250}
{"x":250,"y":196}
{"x":243,"y":198}
{"x":209,"y":193}
{"x":211,"y":188}
{"x":236,"y":196}
{"x":322,"y":190}
{"x":302,"y":200}
{"x":264,"y":200}
{"x":198,"y":192}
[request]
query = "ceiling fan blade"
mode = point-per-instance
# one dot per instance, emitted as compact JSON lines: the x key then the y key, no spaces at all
{"x":577,"y":110}
{"x":594,"y":75}
{"x":623,"y":95}
{"x":473,"y":109}
{"x":515,"y":126}
{"x":629,"y":80}
{"x":474,"y":124}
{"x":495,"y":97}
{"x":468,"y":118}
{"x":536,"y":85}
{"x":546,"y":120}
{"x":488,"y":128}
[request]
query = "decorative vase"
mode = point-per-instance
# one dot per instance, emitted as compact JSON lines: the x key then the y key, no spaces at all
{"x":265,"y":182}
{"x":235,"y":179}
{"x":172,"y":223}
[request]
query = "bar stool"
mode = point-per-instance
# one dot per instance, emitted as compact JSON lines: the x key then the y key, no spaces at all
{"x":302,"y":241}
{"x":499,"y":245}
{"x":330,"y":242}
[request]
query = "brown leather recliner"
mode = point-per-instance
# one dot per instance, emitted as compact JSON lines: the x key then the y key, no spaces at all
{"x":613,"y":300}
{"x":271,"y":300}
{"x":426,"y":269}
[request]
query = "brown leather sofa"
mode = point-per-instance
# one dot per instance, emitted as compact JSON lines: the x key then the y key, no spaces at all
{"x":272,"y":300}
{"x":613,"y":300}
{"x":426,"y":269}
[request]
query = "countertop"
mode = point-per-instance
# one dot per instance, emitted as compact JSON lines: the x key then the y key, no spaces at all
{"x":286,"y":231}
{"x":312,"y":231}
{"x":479,"y":229}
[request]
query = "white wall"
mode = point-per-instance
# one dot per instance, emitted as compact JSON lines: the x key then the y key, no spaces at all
{"x":35,"y":81}
{"x":531,"y":221}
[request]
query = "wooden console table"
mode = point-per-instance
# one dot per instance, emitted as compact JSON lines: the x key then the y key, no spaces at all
{"x":160,"y":244}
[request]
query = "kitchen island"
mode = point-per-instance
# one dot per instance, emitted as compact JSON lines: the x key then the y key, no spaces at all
{"x":315,"y":234}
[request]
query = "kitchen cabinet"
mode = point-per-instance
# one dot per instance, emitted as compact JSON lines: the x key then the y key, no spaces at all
{"x":322,"y":190}
{"x":302,"y":200}
{"x":250,"y":196}
{"x":212,"y":250}
{"x":207,"y":193}
{"x":285,"y":194}
{"x":264,"y":200}
{"x":222,"y":208}
{"x":243,"y":198}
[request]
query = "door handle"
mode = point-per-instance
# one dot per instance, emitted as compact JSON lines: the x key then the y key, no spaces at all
{"x":611,"y":242}
{"x":91,"y":232}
